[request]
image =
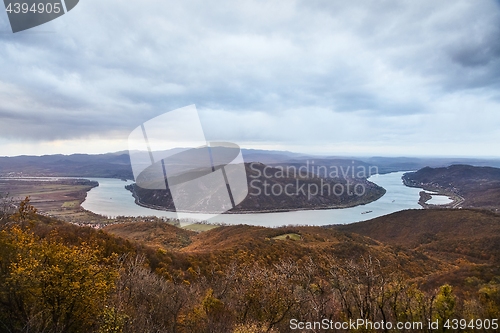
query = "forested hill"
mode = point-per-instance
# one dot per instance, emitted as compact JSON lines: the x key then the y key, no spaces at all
{"x":478,"y":186}
{"x":450,"y":233}
{"x":467,"y":239}
{"x":155,"y":277}
{"x":280,"y":188}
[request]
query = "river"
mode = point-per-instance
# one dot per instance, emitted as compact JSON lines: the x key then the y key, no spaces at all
{"x":111,"y":199}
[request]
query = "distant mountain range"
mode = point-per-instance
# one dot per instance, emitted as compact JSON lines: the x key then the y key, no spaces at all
{"x":117,"y":165}
{"x":112,"y":165}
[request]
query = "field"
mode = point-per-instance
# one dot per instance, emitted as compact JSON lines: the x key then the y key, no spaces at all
{"x":58,"y":198}
{"x":291,"y":236}
{"x":199,"y":227}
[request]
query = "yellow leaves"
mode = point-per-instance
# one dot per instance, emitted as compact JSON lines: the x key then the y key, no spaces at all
{"x":314,"y":288}
{"x":489,"y":296}
{"x":112,"y":321}
{"x":444,"y":303}
{"x":211,"y":304}
{"x":251,"y":328}
{"x":15,"y":234}
{"x":69,"y":282}
{"x":192,"y":272}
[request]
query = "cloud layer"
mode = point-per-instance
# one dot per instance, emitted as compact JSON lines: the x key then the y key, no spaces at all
{"x":368,"y":77}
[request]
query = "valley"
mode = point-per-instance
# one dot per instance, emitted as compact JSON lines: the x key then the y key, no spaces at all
{"x":153,"y":274}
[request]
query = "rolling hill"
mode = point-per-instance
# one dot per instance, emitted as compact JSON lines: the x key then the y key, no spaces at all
{"x":467,"y":239}
{"x":112,"y":165}
{"x":279,"y":188}
{"x":479,"y":187}
{"x":150,"y":276}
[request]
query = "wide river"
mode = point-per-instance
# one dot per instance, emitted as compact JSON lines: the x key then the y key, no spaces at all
{"x":111,"y":199}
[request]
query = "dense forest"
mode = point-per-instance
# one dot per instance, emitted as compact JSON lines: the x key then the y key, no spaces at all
{"x":58,"y":277}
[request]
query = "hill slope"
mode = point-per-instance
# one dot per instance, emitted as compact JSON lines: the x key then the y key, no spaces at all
{"x":420,"y":228}
{"x":467,"y":239}
{"x":112,"y":165}
{"x":478,"y":186}
{"x":280,"y":188}
{"x":243,"y":278}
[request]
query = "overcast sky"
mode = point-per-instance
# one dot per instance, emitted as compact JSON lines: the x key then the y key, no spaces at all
{"x":315,"y":76}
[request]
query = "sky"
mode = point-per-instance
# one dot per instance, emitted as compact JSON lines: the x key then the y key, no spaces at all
{"x":390,"y":78}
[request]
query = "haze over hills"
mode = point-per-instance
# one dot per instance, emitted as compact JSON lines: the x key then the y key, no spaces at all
{"x":117,"y":165}
{"x":391,"y":164}
{"x":401,"y":267}
{"x":111,"y":165}
{"x":469,"y":183}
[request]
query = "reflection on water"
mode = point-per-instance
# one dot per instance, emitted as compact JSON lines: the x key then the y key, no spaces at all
{"x":111,"y":198}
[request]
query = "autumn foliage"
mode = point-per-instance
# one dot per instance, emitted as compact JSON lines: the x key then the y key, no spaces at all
{"x":57,"y":277}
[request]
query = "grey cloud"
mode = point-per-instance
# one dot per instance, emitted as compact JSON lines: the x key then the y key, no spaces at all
{"x":481,"y":47}
{"x":110,"y":65}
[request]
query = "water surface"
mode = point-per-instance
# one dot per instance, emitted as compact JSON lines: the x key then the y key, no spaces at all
{"x":111,"y":199}
{"x":439,"y":200}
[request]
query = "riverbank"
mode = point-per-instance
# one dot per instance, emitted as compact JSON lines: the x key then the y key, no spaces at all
{"x":456,"y":202}
{"x":59,"y":198}
{"x":112,"y":199}
{"x":425,"y":197}
{"x":361,"y":202}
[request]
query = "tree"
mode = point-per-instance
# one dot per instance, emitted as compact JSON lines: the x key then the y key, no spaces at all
{"x":6,"y":207}
{"x":444,"y":305}
{"x":26,"y":213}
{"x":147,"y":300}
{"x":51,"y":287}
